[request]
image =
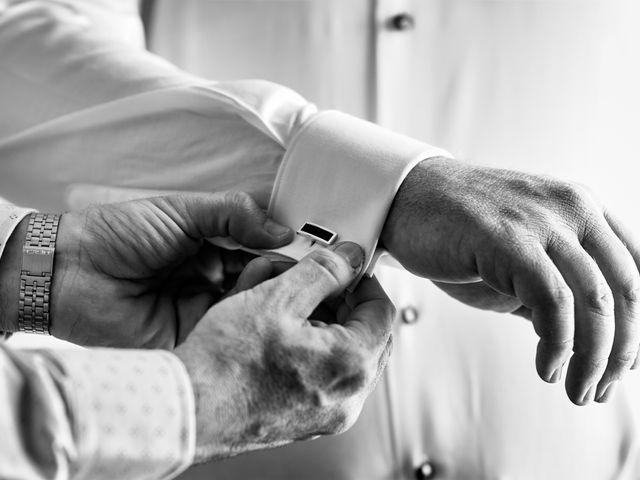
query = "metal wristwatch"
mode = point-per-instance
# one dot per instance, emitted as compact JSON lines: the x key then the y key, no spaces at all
{"x":37,"y":271}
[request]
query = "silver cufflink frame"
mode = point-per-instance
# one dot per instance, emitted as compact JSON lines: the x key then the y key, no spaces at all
{"x":318,"y":233}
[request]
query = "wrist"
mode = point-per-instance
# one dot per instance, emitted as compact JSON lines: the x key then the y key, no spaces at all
{"x":10,"y":267}
{"x":423,"y":181}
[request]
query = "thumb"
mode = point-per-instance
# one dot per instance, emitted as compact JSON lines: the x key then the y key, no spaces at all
{"x":229,"y":214}
{"x":322,"y":273}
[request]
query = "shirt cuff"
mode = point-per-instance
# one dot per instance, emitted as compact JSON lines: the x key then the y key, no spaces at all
{"x":342,"y":173}
{"x":10,"y":217}
{"x":135,"y":413}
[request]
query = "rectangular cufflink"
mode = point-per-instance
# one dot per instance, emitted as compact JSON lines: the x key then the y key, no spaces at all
{"x":319,"y":234}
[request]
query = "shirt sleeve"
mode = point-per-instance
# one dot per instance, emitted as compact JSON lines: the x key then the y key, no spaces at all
{"x":94,"y":414}
{"x":96,"y":119}
{"x":10,"y":217}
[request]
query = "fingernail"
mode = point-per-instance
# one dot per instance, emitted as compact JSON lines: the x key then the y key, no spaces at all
{"x":636,"y":363}
{"x":556,"y":376}
{"x":607,"y":393}
{"x":352,"y":253}
{"x":588,"y":397}
{"x":275,"y":229}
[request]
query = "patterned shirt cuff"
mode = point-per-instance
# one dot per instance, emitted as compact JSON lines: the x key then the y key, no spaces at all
{"x":10,"y":217}
{"x":135,"y":413}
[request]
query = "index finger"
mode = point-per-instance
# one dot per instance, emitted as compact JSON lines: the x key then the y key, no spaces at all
{"x":538,"y":283}
{"x":227,"y":214}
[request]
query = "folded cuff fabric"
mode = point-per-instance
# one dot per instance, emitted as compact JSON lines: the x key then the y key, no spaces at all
{"x":342,"y":173}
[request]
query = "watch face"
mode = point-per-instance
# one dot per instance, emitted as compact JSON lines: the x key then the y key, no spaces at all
{"x":317,"y":233}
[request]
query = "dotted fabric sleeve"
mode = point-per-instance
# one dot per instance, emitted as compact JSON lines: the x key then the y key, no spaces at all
{"x":10,"y":217}
{"x":95,"y":414}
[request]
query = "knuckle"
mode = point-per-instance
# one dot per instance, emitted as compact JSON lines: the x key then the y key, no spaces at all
{"x":559,"y":298}
{"x":329,"y":263}
{"x":342,"y":373}
{"x":630,"y":291}
{"x":508,"y":231}
{"x":621,"y":361}
{"x":569,"y":195}
{"x":239,"y":199}
{"x":557,"y":343}
{"x":508,"y":216}
{"x":525,"y":185}
{"x":589,"y":358}
{"x":560,"y":241}
{"x":578,"y":208}
{"x":599,"y":300}
{"x":563,"y":295}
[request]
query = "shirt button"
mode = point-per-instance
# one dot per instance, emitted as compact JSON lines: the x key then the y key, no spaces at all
{"x":409,"y":315}
{"x":402,"y":22}
{"x":425,"y":471}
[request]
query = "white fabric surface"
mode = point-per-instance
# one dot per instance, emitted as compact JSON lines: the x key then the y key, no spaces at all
{"x":10,"y":217}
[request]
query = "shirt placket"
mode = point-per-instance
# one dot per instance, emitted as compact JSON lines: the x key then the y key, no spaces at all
{"x":395,"y":24}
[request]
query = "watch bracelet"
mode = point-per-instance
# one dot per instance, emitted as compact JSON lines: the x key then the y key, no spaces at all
{"x":37,"y":273}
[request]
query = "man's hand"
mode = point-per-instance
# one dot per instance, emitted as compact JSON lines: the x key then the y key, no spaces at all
{"x":541,"y":248}
{"x":266,"y":371}
{"x":130,"y":274}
